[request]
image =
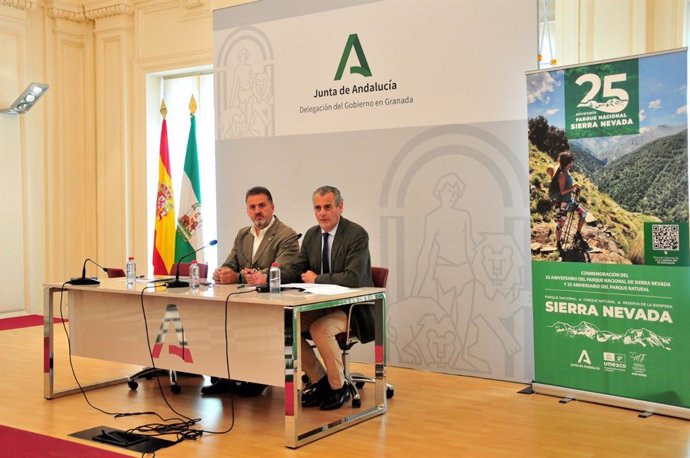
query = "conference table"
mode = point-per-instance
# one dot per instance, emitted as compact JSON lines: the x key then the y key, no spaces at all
{"x":226,"y":331}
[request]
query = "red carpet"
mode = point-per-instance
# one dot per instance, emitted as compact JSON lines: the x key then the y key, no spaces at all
{"x":23,"y":322}
{"x":23,"y":444}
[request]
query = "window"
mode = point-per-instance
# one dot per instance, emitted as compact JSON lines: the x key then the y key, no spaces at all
{"x":177,"y":90}
{"x":547,"y":42}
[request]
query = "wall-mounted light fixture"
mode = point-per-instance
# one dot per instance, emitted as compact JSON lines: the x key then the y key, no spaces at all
{"x":29,"y":97}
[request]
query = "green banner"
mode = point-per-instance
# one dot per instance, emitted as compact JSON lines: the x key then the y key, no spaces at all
{"x":611,"y":250}
{"x":602,"y":100}
{"x":613,"y":329}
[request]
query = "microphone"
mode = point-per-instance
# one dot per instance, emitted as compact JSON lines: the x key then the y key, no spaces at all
{"x":183,"y":284}
{"x":84,"y":280}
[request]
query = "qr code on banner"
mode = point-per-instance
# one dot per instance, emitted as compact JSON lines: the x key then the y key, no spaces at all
{"x":665,"y":237}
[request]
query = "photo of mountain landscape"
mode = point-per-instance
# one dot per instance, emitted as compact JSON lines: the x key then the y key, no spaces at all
{"x":627,"y":180}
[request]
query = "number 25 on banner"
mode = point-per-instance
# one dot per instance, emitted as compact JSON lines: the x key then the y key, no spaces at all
{"x":617,"y":98}
{"x":602,"y":100}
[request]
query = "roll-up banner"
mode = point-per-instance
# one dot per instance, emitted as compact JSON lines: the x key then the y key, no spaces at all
{"x":608,"y":161}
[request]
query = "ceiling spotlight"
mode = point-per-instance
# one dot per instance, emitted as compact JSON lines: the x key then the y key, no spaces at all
{"x":29,"y":97}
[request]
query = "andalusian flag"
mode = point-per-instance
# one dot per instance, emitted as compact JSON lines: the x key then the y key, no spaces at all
{"x":164,"y":235}
{"x":189,"y":237}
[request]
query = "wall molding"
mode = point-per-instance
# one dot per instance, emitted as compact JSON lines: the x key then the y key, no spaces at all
{"x":105,"y":9}
{"x":25,"y":5}
{"x":85,"y":11}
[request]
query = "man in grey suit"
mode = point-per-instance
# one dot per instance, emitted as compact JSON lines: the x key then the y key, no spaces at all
{"x":256,"y":247}
{"x":335,"y":251}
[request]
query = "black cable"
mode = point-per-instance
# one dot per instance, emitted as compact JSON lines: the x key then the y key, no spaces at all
{"x":74,"y":374}
{"x":182,"y":427}
{"x":227,"y":365}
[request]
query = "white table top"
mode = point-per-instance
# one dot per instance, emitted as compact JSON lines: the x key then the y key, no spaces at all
{"x":218,"y":292}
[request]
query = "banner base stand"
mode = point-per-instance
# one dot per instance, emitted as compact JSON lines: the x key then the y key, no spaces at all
{"x":527,"y":390}
{"x":648,"y":408}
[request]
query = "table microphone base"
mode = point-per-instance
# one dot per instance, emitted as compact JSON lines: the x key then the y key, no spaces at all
{"x":177,"y":284}
{"x":82,"y":281}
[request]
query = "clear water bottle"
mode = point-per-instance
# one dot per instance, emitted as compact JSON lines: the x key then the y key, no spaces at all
{"x":274,"y":279}
{"x":131,"y":270}
{"x":194,"y":276}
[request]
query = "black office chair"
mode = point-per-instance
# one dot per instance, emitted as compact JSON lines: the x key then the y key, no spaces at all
{"x":149,"y":372}
{"x":347,"y":340}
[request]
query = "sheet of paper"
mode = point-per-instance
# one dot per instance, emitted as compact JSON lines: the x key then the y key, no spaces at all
{"x":319,"y":288}
{"x":153,"y":279}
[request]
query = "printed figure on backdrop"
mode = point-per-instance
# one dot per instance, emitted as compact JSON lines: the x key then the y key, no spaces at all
{"x":262,"y":114}
{"x":461,"y":301}
{"x":443,"y":267}
{"x":241,"y":92}
{"x":499,"y":271}
{"x":248,"y":110}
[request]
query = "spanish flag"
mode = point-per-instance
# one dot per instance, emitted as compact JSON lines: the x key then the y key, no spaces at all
{"x":164,"y":234}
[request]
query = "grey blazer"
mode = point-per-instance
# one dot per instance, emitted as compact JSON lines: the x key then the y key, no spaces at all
{"x":278,"y":245}
{"x":350,"y":259}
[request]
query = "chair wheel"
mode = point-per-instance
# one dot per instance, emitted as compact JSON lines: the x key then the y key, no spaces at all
{"x":390,"y":392}
{"x":356,"y":403}
{"x":177,"y":389}
{"x":132,"y":385}
{"x":359,"y":385}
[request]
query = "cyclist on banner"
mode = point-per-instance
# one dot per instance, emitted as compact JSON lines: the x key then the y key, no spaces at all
{"x":564,"y":185}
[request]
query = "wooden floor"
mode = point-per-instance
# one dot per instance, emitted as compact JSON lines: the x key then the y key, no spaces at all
{"x":430,"y":415}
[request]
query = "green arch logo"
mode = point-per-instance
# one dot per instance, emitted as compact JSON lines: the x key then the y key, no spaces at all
{"x":362,"y":68}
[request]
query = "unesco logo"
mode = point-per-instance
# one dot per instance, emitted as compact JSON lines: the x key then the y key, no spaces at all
{"x":614,"y":361}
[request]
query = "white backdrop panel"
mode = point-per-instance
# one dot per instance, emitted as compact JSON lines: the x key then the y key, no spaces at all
{"x":440,"y":183}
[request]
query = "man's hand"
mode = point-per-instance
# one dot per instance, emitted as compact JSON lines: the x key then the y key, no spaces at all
{"x":254,"y":277}
{"x":225,"y":275}
{"x":308,"y":277}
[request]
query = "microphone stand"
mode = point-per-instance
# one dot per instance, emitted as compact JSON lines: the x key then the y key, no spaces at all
{"x":177,"y":283}
{"x":84,"y":280}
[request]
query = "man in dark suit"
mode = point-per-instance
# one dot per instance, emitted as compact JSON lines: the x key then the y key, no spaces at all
{"x":256,"y":247}
{"x":335,"y":251}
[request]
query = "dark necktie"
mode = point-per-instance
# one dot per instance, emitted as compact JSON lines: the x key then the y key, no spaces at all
{"x":325,"y":265}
